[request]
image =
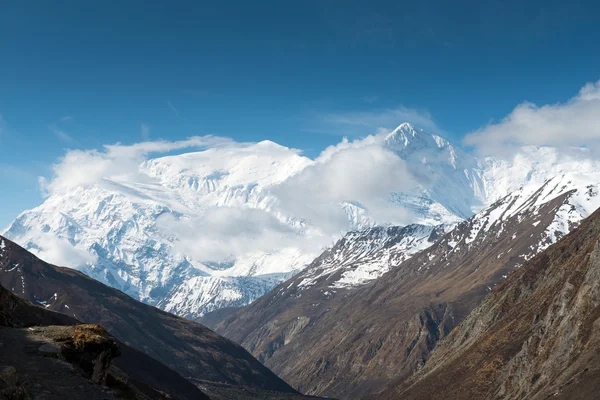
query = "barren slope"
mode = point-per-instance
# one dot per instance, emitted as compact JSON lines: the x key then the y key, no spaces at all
{"x":535,"y":336}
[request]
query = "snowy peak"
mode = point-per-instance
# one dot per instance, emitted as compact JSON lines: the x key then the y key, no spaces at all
{"x":402,"y":136}
{"x":408,"y":141}
{"x":450,"y":180}
{"x":134,"y":234}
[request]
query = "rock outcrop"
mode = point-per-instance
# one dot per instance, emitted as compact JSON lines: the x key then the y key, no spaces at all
{"x":68,"y":360}
{"x":88,"y":347}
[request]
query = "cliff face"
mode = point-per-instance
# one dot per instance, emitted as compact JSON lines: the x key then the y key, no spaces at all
{"x":534,"y":336}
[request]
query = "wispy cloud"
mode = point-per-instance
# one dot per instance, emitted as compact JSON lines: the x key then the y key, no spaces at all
{"x":575,"y":123}
{"x":366,"y":122}
{"x":370,"y":99}
{"x":66,"y":118}
{"x":172,"y":107}
{"x":61,"y":134}
{"x":145,"y":131}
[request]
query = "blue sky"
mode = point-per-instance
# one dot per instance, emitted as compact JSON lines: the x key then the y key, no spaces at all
{"x":77,"y":75}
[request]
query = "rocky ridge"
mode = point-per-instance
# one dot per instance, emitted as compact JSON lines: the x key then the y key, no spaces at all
{"x":69,"y":360}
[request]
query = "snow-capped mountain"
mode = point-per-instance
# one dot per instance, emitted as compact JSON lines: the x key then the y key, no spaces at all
{"x":362,"y":256}
{"x":175,"y":234}
{"x":450,"y":179}
{"x":132,"y":234}
{"x":314,"y":329}
{"x":551,"y":210}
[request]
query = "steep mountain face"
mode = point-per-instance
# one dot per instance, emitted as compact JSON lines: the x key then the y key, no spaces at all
{"x":348,"y":341}
{"x":362,"y":256}
{"x":534,"y":336}
{"x":140,"y":234}
{"x":192,"y":350}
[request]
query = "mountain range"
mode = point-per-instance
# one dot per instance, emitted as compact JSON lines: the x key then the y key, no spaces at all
{"x":488,"y":292}
{"x":156,"y":236}
{"x":350,"y":341}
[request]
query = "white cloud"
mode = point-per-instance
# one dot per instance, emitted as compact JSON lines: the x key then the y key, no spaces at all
{"x":223,"y":233}
{"x":59,"y":251}
{"x":66,"y":118}
{"x":361,"y":172}
{"x":382,"y":119}
{"x":86,"y":167}
{"x":575,"y":123}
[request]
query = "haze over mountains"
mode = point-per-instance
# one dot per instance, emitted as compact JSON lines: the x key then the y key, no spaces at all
{"x":196,"y":232}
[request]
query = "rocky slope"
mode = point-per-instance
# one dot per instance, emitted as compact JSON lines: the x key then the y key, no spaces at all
{"x":70,"y":360}
{"x":349,"y":341}
{"x":140,"y":233}
{"x":534,"y":336}
{"x":191,"y":349}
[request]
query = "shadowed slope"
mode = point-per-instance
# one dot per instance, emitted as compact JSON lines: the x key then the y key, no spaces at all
{"x":187,"y":347}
